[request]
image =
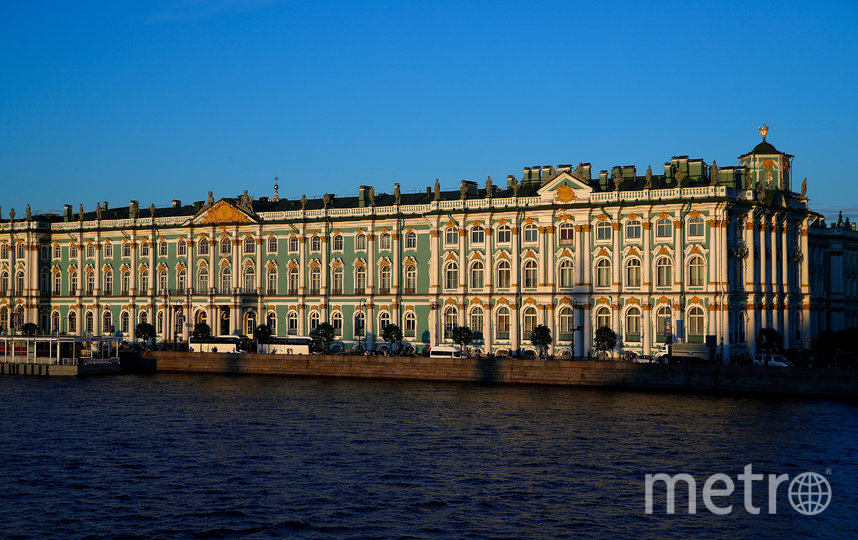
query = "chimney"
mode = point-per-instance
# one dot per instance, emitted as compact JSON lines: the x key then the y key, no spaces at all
{"x":104,"y":205}
{"x":510,"y":181}
{"x":67,"y":212}
{"x":603,"y":179}
{"x":362,"y":198}
{"x":198,"y":205}
{"x":177,"y":203}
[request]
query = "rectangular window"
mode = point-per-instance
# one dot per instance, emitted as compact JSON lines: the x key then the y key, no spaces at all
{"x":108,"y":250}
{"x":126,"y":249}
{"x":73,"y":251}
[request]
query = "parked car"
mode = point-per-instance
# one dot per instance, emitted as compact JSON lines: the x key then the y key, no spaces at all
{"x":774,"y":360}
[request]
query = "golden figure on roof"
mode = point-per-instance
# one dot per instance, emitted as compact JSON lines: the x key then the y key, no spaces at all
{"x":764,"y":129}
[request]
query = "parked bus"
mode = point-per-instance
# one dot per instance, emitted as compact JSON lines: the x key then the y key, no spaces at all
{"x":219,"y":344}
{"x":287,"y":345}
{"x":445,"y":351}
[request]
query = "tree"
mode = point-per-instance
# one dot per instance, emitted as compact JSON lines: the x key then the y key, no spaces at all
{"x":462,"y":336}
{"x":262,"y":333}
{"x":769,"y":340}
{"x":202,"y":331}
{"x":541,"y":338}
{"x":392,"y":334}
{"x":605,"y":339}
{"x":144,"y":332}
{"x":326,"y":334}
{"x":29,"y":329}
{"x":245,"y":344}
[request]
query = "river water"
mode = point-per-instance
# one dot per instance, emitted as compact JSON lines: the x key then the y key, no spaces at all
{"x":212,"y":456}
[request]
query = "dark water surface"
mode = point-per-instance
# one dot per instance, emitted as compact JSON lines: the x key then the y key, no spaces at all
{"x":209,"y":456}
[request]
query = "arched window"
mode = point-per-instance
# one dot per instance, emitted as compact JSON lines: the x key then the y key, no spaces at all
{"x":4,"y":282}
{"x":478,"y":235}
{"x":89,"y":321}
{"x":633,"y":273}
{"x":410,"y":279}
{"x":663,"y":272}
{"x":144,"y":317}
{"x":337,"y":323}
{"x":603,"y":230}
{"x":384,"y":241}
{"x":663,"y":323}
{"x":4,"y":251}
{"x":181,"y":248}
{"x":504,"y":275}
{"x":45,"y":281}
{"x":181,"y":279}
{"x":502,"y":326}
{"x":504,"y":235}
{"x":696,"y":271}
{"x":72,"y":322}
{"x":451,"y":321}
{"x":567,"y":274}
{"x":451,"y":275}
{"x":411,"y":240}
{"x":249,"y":245}
{"x":272,"y":280}
{"x":477,"y":321}
{"x":410,"y":324}
{"x":108,"y":282}
{"x":633,"y":229}
{"x":696,"y":327}
{"x":90,"y":249}
{"x":338,"y":242}
{"x":528,"y":316}
{"x":108,"y":250}
{"x":633,"y":324}
{"x":162,"y":249}
{"x":566,"y":233}
{"x":162,"y":281}
{"x":603,"y":317}
{"x":663,"y":228}
{"x":19,"y":282}
{"x":360,"y":242}
{"x":530,"y":274}
{"x":360,"y":279}
{"x":272,"y":245}
{"x":144,"y":250}
{"x":695,"y":226}
{"x":531,"y":234}
{"x":316,"y":244}
{"x":359,"y":324}
{"x":58,"y":283}
{"x":225,"y":279}
{"x":249,"y":279}
{"x":477,"y":274}
{"x":314,"y":321}
{"x":567,"y":323}
{"x":124,"y":322}
{"x":292,"y":323}
{"x":107,"y":322}
{"x":384,"y":279}
{"x":383,"y":320}
{"x":55,"y":322}
{"x":73,"y":280}
{"x":603,"y":273}
{"x":90,"y":282}
{"x":271,"y":322}
{"x":337,"y":280}
{"x":202,"y":247}
{"x":293,"y":281}
{"x":225,"y":246}
{"x":203,"y":279}
{"x":293,"y":244}
{"x":451,"y":236}
{"x":315,"y":280}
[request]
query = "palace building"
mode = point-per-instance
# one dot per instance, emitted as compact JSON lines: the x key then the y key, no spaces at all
{"x":688,"y":252}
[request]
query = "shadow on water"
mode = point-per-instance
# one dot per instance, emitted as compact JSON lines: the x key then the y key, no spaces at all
{"x":487,"y":369}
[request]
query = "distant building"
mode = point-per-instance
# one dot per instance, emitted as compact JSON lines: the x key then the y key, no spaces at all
{"x":695,"y":250}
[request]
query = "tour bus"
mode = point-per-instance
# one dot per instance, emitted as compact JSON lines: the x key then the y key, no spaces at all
{"x":445,"y":351}
{"x":219,"y":344}
{"x":287,"y":345}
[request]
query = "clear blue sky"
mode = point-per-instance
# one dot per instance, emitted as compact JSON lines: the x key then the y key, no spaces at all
{"x":169,"y":99}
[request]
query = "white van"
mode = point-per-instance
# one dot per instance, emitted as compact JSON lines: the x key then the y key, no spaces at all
{"x":775,"y":360}
{"x":445,"y":351}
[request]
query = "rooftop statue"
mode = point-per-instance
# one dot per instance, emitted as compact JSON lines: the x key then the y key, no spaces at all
{"x":152,"y":210}
{"x":579,"y":170}
{"x":97,"y":210}
{"x":303,"y":202}
{"x":396,"y":194}
{"x":714,"y":173}
{"x":12,"y":214}
{"x":80,"y":213}
{"x":680,"y":176}
{"x":648,"y":177}
{"x":211,"y":199}
{"x":29,"y":214}
{"x":804,"y":188}
{"x":371,"y":196}
{"x":463,"y":190}
{"x":489,"y":187}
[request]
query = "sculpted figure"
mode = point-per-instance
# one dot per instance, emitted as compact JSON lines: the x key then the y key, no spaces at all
{"x":437,"y":190}
{"x":804,"y":188}
{"x":714,"y":172}
{"x":489,"y":187}
{"x":371,"y":196}
{"x":463,"y":190}
{"x":649,"y":176}
{"x":396,"y":194}
{"x":97,"y":210}
{"x":211,"y":199}
{"x":12,"y":214}
{"x":29,"y":214}
{"x":303,"y":202}
{"x":80,"y":213}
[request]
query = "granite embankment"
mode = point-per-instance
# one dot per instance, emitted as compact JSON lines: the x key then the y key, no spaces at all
{"x":702,"y":378}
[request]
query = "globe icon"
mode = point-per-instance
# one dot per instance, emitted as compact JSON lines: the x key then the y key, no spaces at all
{"x":809,"y":493}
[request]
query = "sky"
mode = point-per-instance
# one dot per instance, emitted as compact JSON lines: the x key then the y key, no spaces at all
{"x":169,"y":99}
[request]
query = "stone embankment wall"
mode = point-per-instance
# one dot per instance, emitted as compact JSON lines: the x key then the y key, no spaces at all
{"x":824,"y":382}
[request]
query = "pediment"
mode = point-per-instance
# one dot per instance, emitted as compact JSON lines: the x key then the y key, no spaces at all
{"x":565,"y":188}
{"x":223,"y":212}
